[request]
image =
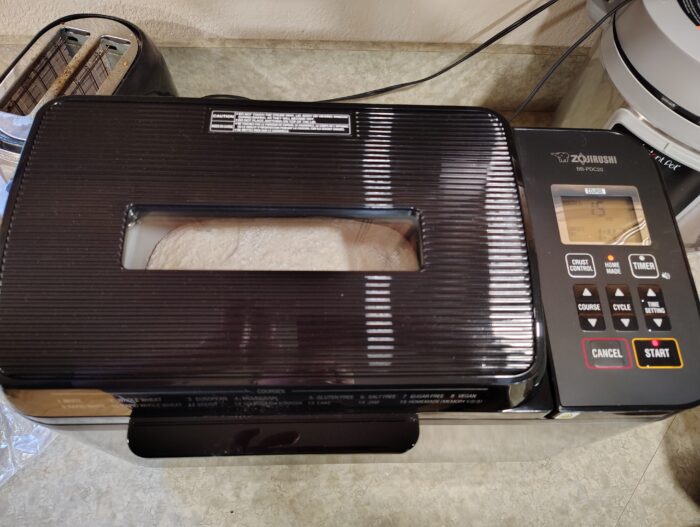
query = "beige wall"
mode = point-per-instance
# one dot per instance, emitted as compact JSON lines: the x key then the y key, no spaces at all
{"x":208,"y":22}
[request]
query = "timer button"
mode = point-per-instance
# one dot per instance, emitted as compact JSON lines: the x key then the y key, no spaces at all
{"x":643,"y":266}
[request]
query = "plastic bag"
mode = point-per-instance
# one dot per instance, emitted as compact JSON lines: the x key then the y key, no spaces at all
{"x":20,"y":440}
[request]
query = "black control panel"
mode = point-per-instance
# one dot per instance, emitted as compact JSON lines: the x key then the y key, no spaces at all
{"x":620,"y":304}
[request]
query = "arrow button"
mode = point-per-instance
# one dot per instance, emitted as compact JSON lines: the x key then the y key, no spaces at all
{"x":588,"y":304}
{"x":658,"y":323}
{"x":592,"y":323}
{"x":625,"y":323}
{"x":617,"y":293}
{"x":586,"y":292}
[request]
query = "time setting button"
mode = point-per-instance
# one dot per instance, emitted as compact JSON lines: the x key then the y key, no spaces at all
{"x":654,"y":306}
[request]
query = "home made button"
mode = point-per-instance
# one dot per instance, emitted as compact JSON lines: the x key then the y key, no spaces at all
{"x":580,"y":265}
{"x":606,"y":354}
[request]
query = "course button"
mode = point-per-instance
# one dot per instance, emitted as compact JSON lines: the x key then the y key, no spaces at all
{"x":592,"y":322}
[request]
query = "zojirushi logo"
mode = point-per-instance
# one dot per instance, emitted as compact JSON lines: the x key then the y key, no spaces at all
{"x":584,"y":159}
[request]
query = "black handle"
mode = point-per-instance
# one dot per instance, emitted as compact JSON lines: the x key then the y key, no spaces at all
{"x":195,"y":436}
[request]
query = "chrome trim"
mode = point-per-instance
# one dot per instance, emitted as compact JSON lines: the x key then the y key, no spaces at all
{"x":84,"y":421}
{"x":427,"y":418}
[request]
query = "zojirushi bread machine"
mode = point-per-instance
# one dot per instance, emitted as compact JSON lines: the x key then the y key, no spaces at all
{"x":203,"y":277}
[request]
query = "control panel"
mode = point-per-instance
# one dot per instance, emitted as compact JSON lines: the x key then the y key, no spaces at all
{"x":620,"y":305}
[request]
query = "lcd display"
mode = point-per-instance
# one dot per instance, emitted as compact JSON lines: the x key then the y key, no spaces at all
{"x":600,"y":216}
{"x":607,"y":220}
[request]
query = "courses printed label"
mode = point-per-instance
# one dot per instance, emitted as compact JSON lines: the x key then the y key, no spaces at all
{"x":242,"y":122}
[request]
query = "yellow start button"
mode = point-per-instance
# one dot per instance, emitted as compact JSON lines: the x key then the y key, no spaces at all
{"x":657,"y":353}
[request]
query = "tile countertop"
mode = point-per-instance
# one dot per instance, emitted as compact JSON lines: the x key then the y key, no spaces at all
{"x":500,"y":77}
{"x":649,"y":475}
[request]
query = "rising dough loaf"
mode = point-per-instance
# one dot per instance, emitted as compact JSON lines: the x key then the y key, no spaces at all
{"x":297,"y":244}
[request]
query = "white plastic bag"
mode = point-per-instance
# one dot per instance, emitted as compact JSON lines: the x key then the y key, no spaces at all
{"x":20,"y":440}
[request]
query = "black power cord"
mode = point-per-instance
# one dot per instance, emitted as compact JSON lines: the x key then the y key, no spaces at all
{"x":564,"y":56}
{"x":386,"y":89}
{"x":512,"y":27}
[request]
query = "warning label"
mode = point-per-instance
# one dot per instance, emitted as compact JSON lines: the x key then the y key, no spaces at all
{"x":239,"y":122}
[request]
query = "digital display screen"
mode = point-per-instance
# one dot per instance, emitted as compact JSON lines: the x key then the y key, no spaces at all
{"x":601,"y":220}
{"x":600,"y":215}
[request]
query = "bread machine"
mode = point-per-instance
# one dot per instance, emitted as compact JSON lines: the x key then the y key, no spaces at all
{"x":548,"y":283}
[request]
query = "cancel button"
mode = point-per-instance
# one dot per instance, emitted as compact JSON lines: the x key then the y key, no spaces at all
{"x":606,"y":353}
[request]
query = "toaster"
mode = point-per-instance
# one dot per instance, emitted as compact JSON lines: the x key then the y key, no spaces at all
{"x":75,"y":55}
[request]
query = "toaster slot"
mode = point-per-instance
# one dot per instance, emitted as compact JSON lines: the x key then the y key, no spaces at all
{"x":95,"y":70}
{"x":44,"y":71}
